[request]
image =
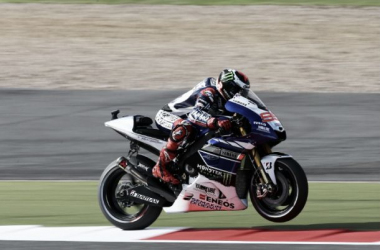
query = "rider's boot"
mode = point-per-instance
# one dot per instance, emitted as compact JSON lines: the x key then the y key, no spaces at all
{"x":160,"y":171}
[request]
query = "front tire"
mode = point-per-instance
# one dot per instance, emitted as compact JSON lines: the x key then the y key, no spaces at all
{"x":121,"y":213}
{"x":290,"y":196}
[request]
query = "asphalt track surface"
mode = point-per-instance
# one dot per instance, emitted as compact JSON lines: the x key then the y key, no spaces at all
{"x":61,"y":135}
{"x":50,"y":134}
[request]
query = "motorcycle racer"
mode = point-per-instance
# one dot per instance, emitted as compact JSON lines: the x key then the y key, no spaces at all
{"x":195,"y":109}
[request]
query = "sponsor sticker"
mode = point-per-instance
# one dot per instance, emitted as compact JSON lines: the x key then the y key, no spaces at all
{"x":166,"y":119}
{"x":205,"y":204}
{"x":133,"y":193}
{"x":217,"y":201}
{"x":149,"y":139}
{"x":209,"y":170}
{"x":162,"y":122}
{"x":143,"y":166}
{"x":227,"y":179}
{"x":263,"y":129}
{"x":268,"y":165}
{"x":240,"y":103}
{"x":207,"y":190}
{"x":260,"y":123}
{"x":229,"y":154}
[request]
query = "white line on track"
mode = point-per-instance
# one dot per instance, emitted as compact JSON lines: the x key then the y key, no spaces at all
{"x":113,"y":234}
{"x":78,"y":234}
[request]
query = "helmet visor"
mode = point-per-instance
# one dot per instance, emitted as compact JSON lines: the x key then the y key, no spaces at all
{"x":230,"y":88}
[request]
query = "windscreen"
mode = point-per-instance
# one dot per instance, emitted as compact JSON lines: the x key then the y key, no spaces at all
{"x":250,"y":95}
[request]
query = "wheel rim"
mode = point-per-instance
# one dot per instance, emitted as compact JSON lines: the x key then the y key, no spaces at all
{"x":117,"y":207}
{"x":283,"y":200}
{"x":281,"y":195}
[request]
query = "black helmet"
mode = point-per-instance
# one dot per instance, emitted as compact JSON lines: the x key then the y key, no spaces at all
{"x":231,"y":82}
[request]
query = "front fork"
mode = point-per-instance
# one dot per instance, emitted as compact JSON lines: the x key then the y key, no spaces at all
{"x":264,"y":186}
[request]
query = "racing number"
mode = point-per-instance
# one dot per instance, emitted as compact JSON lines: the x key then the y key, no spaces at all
{"x":268,"y":117}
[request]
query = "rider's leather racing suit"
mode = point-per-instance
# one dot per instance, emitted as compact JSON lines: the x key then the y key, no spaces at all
{"x":183,"y":117}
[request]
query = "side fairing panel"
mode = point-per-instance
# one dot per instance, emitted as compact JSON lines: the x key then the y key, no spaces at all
{"x":209,"y":165}
{"x":234,"y":144}
{"x":204,"y":194}
{"x":220,"y":163}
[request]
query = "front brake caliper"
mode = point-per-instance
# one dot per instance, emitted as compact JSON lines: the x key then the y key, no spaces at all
{"x":262,"y":190}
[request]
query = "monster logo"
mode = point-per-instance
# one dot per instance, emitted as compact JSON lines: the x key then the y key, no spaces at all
{"x":228,"y":77}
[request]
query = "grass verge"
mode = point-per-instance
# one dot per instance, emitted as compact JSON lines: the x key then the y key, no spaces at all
{"x":353,"y":206}
{"x":210,"y":2}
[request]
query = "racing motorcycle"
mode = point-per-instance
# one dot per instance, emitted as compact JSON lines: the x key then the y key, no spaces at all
{"x":217,"y":171}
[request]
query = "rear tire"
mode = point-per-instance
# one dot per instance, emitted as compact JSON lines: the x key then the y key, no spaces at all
{"x":121,"y":213}
{"x":291,"y":195}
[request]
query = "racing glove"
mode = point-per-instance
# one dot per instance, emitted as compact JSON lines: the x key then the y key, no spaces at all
{"x":215,"y":123}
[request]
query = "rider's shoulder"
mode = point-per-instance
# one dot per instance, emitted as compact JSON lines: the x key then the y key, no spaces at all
{"x":209,"y":88}
{"x":210,"y":82}
{"x":207,"y":83}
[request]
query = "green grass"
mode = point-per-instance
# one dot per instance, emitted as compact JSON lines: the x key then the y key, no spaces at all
{"x":212,"y":2}
{"x":331,"y":205}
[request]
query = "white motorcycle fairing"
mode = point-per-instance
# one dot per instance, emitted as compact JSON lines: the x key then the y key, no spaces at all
{"x":204,"y":194}
{"x":125,"y":125}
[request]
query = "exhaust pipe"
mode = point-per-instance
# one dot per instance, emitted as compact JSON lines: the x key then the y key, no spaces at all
{"x":150,"y":182}
{"x":126,"y":165}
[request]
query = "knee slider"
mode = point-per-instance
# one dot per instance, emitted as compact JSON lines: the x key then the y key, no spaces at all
{"x":179,"y":133}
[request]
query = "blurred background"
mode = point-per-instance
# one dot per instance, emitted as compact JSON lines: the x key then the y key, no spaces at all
{"x":301,"y":48}
{"x":64,"y":67}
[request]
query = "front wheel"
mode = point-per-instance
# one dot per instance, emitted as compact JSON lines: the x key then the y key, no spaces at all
{"x":288,"y":198}
{"x":121,"y":212}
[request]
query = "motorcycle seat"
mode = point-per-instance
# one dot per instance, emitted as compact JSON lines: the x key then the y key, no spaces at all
{"x":142,"y":121}
{"x":143,"y":127}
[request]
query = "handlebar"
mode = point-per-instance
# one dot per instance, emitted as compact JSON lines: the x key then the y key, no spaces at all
{"x":236,"y":121}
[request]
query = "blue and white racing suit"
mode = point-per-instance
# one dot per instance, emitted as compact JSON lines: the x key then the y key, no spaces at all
{"x":183,"y":117}
{"x":197,"y":105}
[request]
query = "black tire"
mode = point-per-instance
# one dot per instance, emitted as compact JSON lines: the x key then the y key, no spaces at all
{"x":116,"y":210}
{"x":290,"y":197}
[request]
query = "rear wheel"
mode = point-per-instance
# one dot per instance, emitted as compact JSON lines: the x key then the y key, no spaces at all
{"x":289,"y":197}
{"x":120,"y":211}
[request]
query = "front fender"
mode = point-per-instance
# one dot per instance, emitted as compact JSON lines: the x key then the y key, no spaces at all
{"x":269,"y":162}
